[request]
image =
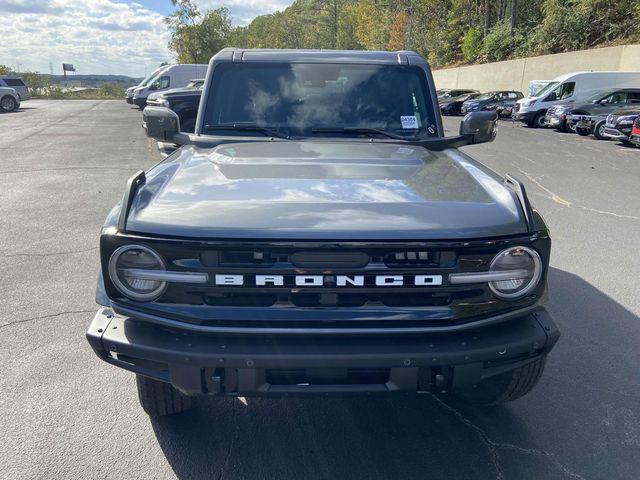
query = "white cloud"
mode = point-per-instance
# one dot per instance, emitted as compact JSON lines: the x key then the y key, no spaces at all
{"x":97,"y":36}
{"x":243,"y":11}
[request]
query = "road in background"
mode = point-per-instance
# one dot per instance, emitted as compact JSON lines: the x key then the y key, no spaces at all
{"x":65,"y":414}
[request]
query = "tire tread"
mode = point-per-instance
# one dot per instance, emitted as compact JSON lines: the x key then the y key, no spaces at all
{"x":159,"y":399}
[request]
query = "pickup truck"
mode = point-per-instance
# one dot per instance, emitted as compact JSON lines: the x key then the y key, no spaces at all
{"x":318,"y":234}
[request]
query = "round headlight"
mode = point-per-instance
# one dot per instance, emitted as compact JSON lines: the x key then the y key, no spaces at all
{"x":126,"y":270}
{"x":526,"y":266}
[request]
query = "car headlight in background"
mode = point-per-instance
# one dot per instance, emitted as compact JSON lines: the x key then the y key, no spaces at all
{"x":626,"y":119}
{"x":127,"y":268}
{"x":522,"y":267}
{"x":164,"y":102}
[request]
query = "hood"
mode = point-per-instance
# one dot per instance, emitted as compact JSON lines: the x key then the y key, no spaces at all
{"x":324,"y":190}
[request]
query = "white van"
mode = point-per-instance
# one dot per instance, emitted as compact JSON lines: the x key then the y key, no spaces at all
{"x":570,"y":88}
{"x":128,"y":93}
{"x":172,"y":76}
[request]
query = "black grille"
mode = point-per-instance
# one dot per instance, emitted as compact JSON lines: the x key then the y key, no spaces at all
{"x":328,"y":305}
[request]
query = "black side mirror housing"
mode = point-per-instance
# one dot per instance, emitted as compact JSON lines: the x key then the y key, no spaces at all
{"x":161,"y":123}
{"x":480,"y":127}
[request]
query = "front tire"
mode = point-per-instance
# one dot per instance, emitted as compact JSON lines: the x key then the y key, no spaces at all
{"x":159,"y":399}
{"x":598,"y":130}
{"x":507,"y":386}
{"x":538,"y":121}
{"x":8,"y":104}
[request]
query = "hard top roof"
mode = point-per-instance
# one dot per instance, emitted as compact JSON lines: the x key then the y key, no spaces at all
{"x":316,"y":56}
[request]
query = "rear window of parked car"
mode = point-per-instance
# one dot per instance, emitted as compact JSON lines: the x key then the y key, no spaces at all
{"x":13,"y":82}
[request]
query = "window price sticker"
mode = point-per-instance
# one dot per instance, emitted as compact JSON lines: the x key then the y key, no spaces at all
{"x":409,"y":121}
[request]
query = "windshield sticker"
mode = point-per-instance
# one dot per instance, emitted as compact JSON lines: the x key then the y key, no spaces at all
{"x":409,"y":121}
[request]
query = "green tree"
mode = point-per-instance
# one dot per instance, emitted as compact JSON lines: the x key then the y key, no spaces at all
{"x":4,"y":70}
{"x":472,"y":44}
{"x":195,"y":38}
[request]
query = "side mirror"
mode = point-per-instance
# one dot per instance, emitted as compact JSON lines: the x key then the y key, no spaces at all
{"x":479,"y":127}
{"x":160,"y":123}
{"x":153,"y":86}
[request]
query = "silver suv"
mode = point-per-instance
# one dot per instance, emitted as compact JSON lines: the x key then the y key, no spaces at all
{"x":18,"y":85}
{"x":9,"y":99}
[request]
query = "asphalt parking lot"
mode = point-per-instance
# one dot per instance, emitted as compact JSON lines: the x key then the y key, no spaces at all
{"x":65,"y":414}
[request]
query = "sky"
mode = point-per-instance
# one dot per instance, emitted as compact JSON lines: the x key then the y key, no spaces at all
{"x":100,"y":36}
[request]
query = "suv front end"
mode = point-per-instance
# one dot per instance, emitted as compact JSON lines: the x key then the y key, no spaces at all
{"x":317,"y":259}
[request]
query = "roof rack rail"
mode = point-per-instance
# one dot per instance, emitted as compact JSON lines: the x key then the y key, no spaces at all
{"x":517,"y":186}
{"x":133,"y":183}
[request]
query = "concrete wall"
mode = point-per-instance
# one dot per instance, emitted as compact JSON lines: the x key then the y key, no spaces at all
{"x":516,"y":74}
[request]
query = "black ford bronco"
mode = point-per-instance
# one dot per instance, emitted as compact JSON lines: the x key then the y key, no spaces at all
{"x":319,"y":234}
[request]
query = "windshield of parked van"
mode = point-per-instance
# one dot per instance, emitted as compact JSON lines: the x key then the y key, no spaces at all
{"x":546,"y":89}
{"x":150,"y":77}
{"x":311,"y":99}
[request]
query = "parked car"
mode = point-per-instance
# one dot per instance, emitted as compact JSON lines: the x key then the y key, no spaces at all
{"x":129,"y":92}
{"x":594,"y":111}
{"x":498,"y":100}
{"x":593,"y":115}
{"x":184,"y":102}
{"x":634,"y":138}
{"x":173,"y":76}
{"x":571,"y":88}
{"x":453,"y":105}
{"x":618,"y":125}
{"x":317,"y":213}
{"x":447,"y":94}
{"x":18,"y":85}
{"x":9,"y":99}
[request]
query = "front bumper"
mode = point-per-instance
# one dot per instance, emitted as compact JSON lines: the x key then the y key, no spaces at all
{"x":243,"y":365}
{"x":554,"y":121}
{"x":141,"y":102}
{"x":614,"y":134}
{"x":526,"y":117}
{"x":129,"y":100}
{"x":635,"y":139}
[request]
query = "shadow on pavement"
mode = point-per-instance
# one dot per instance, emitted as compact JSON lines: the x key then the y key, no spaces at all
{"x":406,"y":436}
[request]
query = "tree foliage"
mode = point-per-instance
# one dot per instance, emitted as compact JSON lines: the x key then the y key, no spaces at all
{"x":447,"y":32}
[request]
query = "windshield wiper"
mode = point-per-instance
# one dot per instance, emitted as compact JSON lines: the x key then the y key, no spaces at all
{"x":363,"y":130}
{"x":247,"y":127}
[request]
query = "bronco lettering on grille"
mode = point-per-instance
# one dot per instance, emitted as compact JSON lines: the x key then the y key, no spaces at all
{"x":329,"y":280}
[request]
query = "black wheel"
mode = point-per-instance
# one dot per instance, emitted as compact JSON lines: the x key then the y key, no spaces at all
{"x":507,"y":386}
{"x":159,"y":399}
{"x":598,"y":130}
{"x":538,"y":121}
{"x":8,"y":103}
{"x":583,"y":132}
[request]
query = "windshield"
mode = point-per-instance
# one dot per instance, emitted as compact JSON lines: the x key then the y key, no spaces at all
{"x":301,"y":99}
{"x":150,"y":77}
{"x":546,"y":89}
{"x":486,"y":96}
